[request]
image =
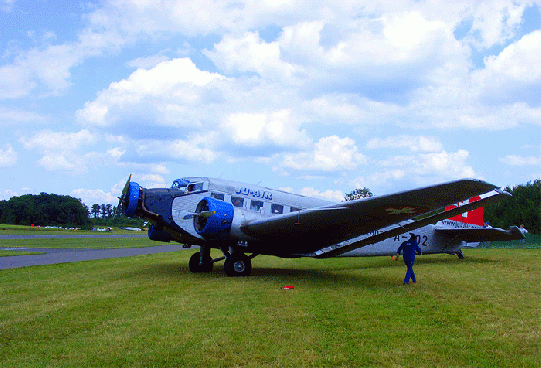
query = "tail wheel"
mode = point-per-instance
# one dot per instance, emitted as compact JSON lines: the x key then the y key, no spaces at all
{"x":195,"y":265}
{"x":238,"y":265}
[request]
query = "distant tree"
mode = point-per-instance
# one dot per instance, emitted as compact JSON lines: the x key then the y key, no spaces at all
{"x":117,"y":211}
{"x":523,"y":208}
{"x":95,"y":210}
{"x":109,"y":210}
{"x":358,"y":194}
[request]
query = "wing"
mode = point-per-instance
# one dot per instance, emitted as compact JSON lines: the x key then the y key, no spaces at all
{"x":477,"y":235}
{"x":313,"y":229}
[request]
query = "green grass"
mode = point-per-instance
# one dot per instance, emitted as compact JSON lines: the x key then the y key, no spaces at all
{"x":79,"y":243}
{"x":150,"y":311}
{"x":531,"y":242}
{"x":6,"y":229}
{"x":9,"y":253}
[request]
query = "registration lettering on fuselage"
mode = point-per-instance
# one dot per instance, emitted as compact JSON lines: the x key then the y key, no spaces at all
{"x":254,"y":193}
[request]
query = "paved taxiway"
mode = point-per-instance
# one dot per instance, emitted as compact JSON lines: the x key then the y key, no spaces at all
{"x":62,"y":255}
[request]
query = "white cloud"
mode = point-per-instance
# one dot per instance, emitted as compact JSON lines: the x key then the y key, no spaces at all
{"x":407,"y":31}
{"x":61,"y":141}
{"x":290,"y":72}
{"x":177,"y":150}
{"x":494,"y":22}
{"x":94,"y":196}
{"x":415,"y":144}
{"x":330,"y":195}
{"x":515,"y":160}
{"x":164,"y":93}
{"x":442,"y":164}
{"x":277,"y":128}
{"x":8,"y":156}
{"x":59,"y":162}
{"x":416,"y":170}
{"x":514,"y":75}
{"x":329,"y":154}
{"x":68,"y":152}
{"x":250,"y":53}
{"x":447,"y":165}
{"x":147,"y":62}
{"x":13,"y":116}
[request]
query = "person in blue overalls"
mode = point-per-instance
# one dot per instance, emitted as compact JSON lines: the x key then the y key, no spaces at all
{"x":409,"y":248}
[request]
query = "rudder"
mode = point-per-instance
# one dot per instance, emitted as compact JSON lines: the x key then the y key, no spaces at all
{"x":474,"y":217}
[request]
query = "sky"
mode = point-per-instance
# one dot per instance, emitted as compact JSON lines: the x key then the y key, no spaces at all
{"x":314,"y":97}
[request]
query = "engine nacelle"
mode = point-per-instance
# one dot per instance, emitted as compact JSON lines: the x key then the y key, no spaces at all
{"x":158,"y":235}
{"x":213,"y":226}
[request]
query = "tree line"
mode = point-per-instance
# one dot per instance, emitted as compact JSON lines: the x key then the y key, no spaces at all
{"x":61,"y":210}
{"x":523,"y":208}
{"x":44,"y":210}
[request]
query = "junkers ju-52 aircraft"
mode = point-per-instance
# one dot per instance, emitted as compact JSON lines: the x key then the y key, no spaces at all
{"x":239,"y":218}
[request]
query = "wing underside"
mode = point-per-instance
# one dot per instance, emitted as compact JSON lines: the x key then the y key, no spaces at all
{"x":477,"y":235}
{"x":315,"y":229}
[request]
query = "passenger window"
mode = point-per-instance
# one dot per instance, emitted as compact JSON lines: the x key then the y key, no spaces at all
{"x":277,"y":209}
{"x":219,"y":196}
{"x":256,"y":205}
{"x":237,"y":201}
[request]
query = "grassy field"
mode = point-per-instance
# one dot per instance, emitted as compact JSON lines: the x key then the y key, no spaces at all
{"x":151,"y":311}
{"x":9,"y":253}
{"x":79,"y":243}
{"x":6,"y":229}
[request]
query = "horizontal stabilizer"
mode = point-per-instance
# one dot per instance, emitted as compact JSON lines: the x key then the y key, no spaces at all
{"x":478,"y":235}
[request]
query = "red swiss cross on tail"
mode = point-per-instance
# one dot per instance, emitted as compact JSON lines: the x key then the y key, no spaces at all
{"x":474,"y":217}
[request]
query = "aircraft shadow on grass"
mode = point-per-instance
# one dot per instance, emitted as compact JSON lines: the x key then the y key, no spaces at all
{"x":326,"y":277}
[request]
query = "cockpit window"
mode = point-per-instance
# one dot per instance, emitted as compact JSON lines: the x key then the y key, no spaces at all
{"x":188,"y":186}
{"x":180,"y":184}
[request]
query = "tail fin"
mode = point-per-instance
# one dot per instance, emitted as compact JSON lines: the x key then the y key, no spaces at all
{"x":474,"y":217}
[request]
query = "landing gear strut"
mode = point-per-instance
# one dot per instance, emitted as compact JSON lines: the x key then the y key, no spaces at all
{"x":238,"y":264}
{"x":201,"y":261}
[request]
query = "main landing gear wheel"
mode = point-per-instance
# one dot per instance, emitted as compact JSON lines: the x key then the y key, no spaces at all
{"x":195,"y":265}
{"x":238,"y":265}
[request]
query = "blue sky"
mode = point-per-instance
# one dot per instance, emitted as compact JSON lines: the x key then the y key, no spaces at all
{"x":315,"y":97}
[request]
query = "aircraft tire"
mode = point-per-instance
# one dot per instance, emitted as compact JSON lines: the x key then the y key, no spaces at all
{"x":196,"y":267}
{"x":238,"y":265}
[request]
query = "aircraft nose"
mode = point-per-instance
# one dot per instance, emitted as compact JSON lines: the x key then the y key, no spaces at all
{"x":130,"y":199}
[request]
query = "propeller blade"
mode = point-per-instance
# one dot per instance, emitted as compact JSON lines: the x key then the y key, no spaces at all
{"x":203,"y":214}
{"x":125,"y":190}
{"x":122,"y":197}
